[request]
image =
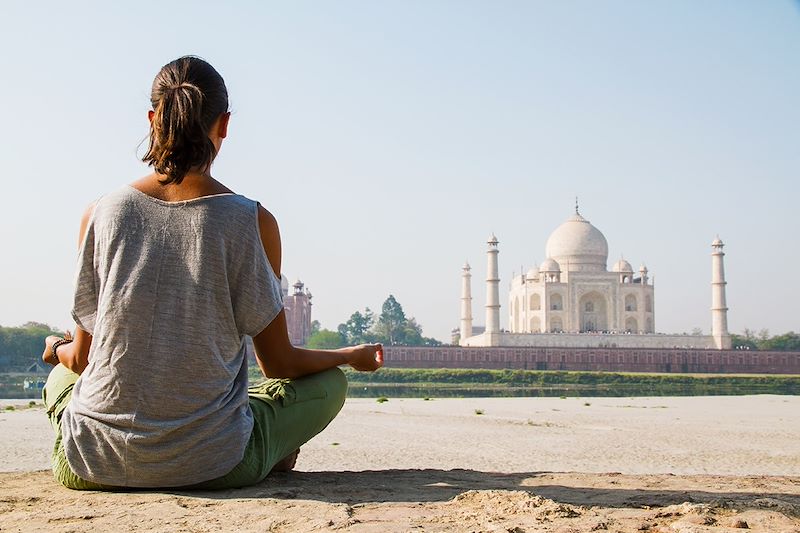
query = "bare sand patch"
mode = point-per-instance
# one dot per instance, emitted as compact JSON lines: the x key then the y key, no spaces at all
{"x":525,"y":464}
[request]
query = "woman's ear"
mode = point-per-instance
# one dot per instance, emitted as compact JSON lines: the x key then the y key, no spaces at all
{"x":222,"y":129}
{"x":150,"y":115}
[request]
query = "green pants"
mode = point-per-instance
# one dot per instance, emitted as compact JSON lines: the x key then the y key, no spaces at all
{"x":286,"y":414}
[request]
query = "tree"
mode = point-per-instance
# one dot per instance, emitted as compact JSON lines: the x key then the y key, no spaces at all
{"x":391,"y":323}
{"x":356,"y":329}
{"x":394,"y":328}
{"x":22,"y":346}
{"x":788,"y":342}
{"x":430,"y":341}
{"x":315,"y":326}
{"x":742,"y":342}
{"x":325,"y":339}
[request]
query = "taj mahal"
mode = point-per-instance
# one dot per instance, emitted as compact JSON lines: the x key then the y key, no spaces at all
{"x":572,"y":300}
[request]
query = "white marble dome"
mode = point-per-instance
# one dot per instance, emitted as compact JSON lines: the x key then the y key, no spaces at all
{"x":549,"y":265}
{"x":578,"y":246}
{"x":622,"y":266}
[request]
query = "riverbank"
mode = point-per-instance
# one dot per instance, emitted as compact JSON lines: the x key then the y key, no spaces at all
{"x":459,"y":382}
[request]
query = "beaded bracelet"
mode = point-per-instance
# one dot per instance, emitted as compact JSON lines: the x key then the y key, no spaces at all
{"x":56,"y":344}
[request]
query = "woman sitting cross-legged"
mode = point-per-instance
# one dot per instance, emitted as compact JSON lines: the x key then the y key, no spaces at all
{"x":175,"y":271}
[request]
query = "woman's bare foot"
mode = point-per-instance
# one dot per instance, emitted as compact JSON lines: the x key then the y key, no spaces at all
{"x":287,"y":463}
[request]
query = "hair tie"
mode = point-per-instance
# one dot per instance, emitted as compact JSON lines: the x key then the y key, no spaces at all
{"x":183,"y":85}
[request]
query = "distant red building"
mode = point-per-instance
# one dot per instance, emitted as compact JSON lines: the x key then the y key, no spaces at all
{"x":660,"y":360}
{"x":298,"y":312}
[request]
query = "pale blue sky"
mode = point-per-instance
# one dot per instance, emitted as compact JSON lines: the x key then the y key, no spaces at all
{"x":391,"y":138}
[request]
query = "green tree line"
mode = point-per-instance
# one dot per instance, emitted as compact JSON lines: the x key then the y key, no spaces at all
{"x":391,"y":327}
{"x":750,"y":340}
{"x":22,"y":346}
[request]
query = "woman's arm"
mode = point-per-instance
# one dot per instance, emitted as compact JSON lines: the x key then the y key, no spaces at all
{"x":277,"y":358}
{"x":274,"y":352}
{"x":74,"y":355}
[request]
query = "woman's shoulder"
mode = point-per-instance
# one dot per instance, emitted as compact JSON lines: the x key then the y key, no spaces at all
{"x":270,"y":238}
{"x":114,"y":197}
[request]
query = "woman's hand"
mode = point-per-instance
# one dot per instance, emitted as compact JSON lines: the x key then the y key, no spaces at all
{"x":365,"y":357}
{"x":73,"y":354}
{"x":47,"y":354}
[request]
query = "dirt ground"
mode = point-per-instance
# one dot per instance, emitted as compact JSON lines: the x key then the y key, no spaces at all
{"x":717,"y":464}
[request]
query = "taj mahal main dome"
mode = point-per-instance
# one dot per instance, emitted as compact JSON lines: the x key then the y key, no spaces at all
{"x":576,"y":245}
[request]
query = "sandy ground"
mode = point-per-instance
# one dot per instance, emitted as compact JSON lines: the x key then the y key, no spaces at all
{"x":523,"y":464}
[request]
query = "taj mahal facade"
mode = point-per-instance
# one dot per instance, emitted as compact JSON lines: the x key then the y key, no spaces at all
{"x":572,"y":300}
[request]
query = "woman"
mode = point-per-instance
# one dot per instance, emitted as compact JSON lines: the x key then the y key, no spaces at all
{"x":174,"y":272}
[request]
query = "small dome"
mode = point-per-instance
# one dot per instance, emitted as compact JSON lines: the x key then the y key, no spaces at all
{"x":642,"y":268}
{"x":532,"y":273}
{"x":578,"y":245}
{"x":549,"y":265}
{"x":717,"y":242}
{"x":492,"y":240}
{"x":622,"y":266}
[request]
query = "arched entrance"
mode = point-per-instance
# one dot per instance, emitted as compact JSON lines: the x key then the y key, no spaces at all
{"x":630,"y":303}
{"x":593,"y":316}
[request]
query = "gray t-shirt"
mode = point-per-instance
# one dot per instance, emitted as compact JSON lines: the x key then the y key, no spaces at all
{"x":168,"y":290}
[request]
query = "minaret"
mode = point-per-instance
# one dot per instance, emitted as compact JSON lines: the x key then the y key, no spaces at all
{"x":719,"y":307}
{"x":492,"y":295}
{"x":466,"y":304}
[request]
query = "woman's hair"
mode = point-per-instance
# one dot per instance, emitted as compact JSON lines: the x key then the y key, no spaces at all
{"x":187,"y":97}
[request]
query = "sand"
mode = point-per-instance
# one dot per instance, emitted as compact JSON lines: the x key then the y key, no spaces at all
{"x":524,"y":464}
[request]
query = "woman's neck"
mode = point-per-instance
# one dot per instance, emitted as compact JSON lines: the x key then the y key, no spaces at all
{"x":194,"y":185}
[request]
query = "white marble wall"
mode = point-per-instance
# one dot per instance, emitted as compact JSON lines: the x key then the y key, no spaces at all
{"x":598,"y":340}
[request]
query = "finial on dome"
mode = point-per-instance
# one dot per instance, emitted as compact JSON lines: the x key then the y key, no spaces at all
{"x":576,"y":206}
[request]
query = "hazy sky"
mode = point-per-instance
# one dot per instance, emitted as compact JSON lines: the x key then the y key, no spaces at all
{"x":391,"y":138}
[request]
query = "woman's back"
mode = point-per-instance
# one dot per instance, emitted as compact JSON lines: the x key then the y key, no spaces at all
{"x":167,"y":290}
